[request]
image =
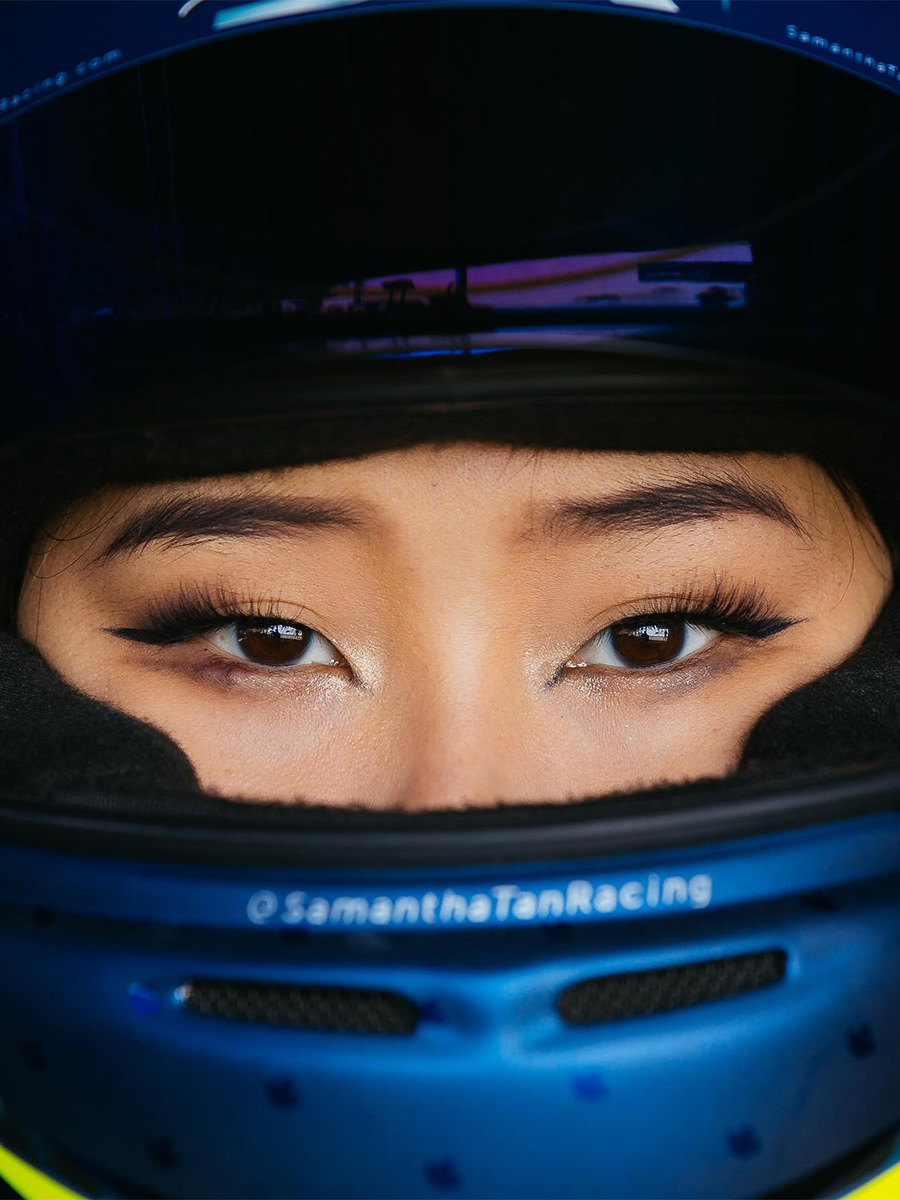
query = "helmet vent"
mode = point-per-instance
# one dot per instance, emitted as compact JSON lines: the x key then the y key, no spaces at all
{"x":642,"y":993}
{"x":302,"y":1006}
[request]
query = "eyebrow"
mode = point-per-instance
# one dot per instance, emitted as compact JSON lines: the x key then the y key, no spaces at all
{"x":646,"y":509}
{"x":185,"y":520}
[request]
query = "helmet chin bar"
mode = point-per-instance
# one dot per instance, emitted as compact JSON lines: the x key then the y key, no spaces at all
{"x":754,"y":978}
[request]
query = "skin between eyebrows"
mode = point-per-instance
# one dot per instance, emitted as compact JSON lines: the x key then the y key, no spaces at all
{"x":188,"y":519}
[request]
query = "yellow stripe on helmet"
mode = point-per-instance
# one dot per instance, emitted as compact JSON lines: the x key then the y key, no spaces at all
{"x":884,"y":1186}
{"x":30,"y":1183}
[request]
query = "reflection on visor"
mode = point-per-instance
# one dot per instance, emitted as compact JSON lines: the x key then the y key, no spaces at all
{"x":709,"y":276}
{"x":608,"y":287}
{"x":269,"y":10}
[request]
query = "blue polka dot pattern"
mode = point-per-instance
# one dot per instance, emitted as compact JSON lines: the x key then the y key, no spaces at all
{"x":745,"y":1142}
{"x":589,"y":1085}
{"x":861,"y":1041}
{"x":443,"y":1175}
{"x":163,"y":1153}
{"x":282,"y":1092}
{"x":433,"y":1012}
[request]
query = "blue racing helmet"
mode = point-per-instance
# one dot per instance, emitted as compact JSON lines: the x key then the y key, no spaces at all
{"x":244,"y":236}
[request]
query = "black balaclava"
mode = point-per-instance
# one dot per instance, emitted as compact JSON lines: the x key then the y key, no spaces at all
{"x":62,"y":748}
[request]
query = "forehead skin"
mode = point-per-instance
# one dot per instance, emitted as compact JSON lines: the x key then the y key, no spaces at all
{"x":461,"y":582}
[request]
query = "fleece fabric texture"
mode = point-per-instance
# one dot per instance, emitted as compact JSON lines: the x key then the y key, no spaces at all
{"x":54,"y":739}
{"x":851,"y":716}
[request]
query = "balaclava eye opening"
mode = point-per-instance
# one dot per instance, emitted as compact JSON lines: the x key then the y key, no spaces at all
{"x":293,"y":410}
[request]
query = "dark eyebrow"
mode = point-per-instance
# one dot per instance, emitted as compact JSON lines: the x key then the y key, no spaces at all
{"x":645,"y":509}
{"x":183,"y":520}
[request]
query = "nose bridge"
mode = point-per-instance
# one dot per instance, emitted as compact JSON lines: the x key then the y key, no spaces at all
{"x":458,"y":758}
{"x":466,"y":686}
{"x":455,"y":698}
{"x":466,"y":677}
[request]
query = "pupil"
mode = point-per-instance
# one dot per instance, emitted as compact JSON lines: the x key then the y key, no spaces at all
{"x":273,"y":645}
{"x":649,"y":644}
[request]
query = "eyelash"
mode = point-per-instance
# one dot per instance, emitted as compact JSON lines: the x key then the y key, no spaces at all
{"x":192,"y":613}
{"x":736,"y":610}
{"x":739,"y":610}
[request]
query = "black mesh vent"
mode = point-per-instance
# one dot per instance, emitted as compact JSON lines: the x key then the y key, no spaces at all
{"x":334,"y":1009}
{"x":640,"y":993}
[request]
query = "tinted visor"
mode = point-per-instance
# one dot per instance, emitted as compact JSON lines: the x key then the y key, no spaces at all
{"x":446,"y":172}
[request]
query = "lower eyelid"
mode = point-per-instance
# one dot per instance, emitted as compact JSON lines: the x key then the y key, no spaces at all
{"x":204,"y":664}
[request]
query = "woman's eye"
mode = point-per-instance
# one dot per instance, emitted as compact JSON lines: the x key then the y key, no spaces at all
{"x":275,"y":644}
{"x":643,"y":643}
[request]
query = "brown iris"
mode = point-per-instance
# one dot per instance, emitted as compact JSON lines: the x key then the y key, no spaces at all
{"x":648,"y":643}
{"x":273,"y":644}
